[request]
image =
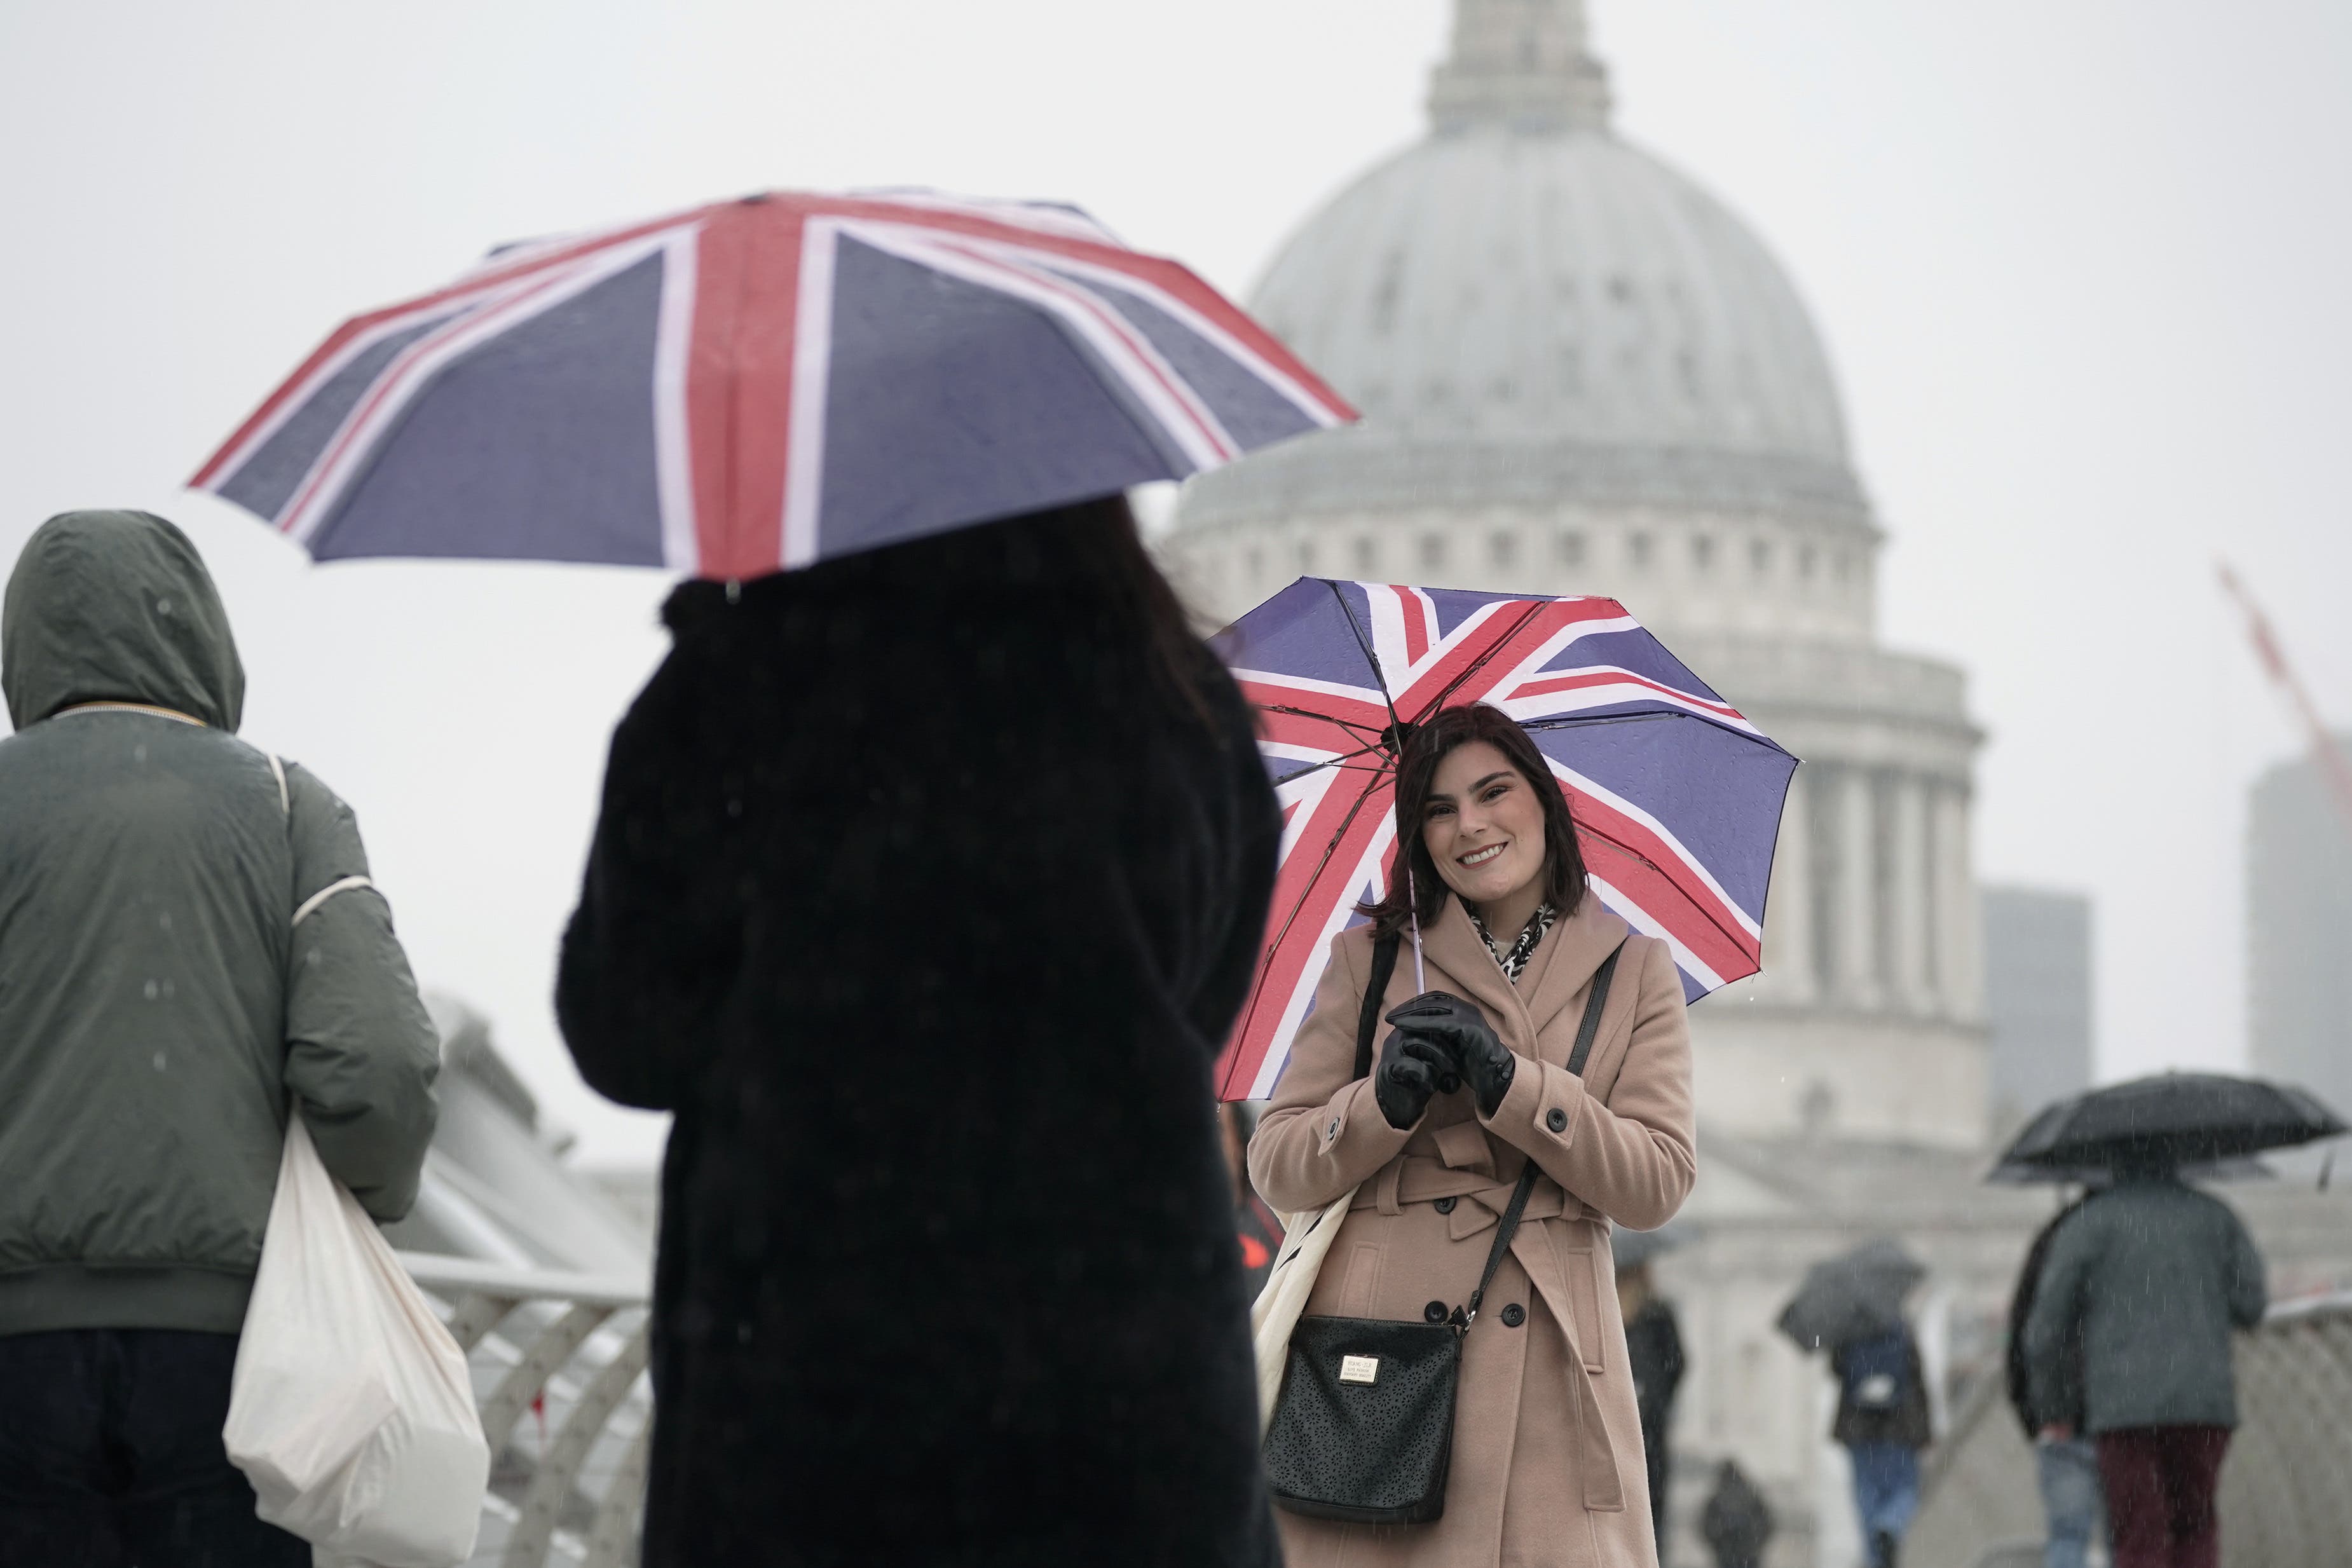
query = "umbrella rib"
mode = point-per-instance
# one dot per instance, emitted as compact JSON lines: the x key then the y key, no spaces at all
{"x":1480,"y":663}
{"x":1343,"y":760}
{"x":1257,"y":992}
{"x":1349,"y":610}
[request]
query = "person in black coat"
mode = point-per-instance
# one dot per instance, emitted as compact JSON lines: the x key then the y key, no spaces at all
{"x":1653,"y":1350}
{"x":927,"y":886}
{"x":1736,"y":1523}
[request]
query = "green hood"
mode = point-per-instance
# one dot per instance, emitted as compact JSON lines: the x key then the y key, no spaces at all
{"x":116,"y":607}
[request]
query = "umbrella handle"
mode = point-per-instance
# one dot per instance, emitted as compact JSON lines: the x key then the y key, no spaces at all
{"x":1413,"y":908}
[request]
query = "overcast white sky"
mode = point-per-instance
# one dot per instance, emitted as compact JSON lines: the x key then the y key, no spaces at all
{"x":2081,"y":265}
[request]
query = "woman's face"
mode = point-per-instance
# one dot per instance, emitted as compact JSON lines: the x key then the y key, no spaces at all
{"x":1484,"y":825}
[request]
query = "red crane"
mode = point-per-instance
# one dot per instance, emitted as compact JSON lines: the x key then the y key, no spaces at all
{"x":2325,"y":748}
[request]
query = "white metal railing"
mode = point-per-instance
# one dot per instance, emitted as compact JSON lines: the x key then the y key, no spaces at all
{"x":559,"y":1367}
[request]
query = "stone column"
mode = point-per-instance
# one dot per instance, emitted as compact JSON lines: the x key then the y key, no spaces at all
{"x":1788,"y":910}
{"x":1961,"y":933}
{"x":1911,"y":842}
{"x":1858,"y":937}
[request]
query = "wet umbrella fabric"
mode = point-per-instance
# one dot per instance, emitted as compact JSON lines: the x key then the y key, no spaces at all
{"x":2172,"y":1118}
{"x":1677,"y":796}
{"x":2021,"y":1173}
{"x":760,"y":384}
{"x":1853,"y":1296}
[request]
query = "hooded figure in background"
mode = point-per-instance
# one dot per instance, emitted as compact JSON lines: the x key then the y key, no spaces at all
{"x":190,"y":949}
{"x":927,"y":886}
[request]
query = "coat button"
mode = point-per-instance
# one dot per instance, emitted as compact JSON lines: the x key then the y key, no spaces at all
{"x":1557,"y":1120}
{"x":1446,"y":1206}
{"x":1333,"y":1130}
{"x":1435,"y":1312}
{"x":1514,"y":1315}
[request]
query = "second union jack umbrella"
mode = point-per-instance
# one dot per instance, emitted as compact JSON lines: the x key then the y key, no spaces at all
{"x":759,"y":384}
{"x":1676,"y":796}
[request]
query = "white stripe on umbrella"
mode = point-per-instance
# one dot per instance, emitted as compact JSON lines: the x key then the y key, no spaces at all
{"x":673,"y":440}
{"x":811,"y":379}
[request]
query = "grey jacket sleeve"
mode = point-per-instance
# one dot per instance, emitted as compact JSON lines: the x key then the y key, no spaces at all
{"x":2057,"y":1303}
{"x":2249,"y":1292}
{"x":360,"y":1051}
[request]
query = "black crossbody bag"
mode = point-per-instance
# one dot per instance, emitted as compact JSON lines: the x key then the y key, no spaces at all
{"x":1363,"y":1428}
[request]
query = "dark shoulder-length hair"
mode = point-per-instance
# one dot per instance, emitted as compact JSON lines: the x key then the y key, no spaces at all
{"x":1425,"y":746}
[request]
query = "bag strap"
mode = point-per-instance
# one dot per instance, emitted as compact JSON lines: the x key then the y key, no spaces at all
{"x":1585,"y":1033}
{"x":1376,"y":990}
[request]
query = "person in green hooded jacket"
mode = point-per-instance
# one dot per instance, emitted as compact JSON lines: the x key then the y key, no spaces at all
{"x":190,"y":952}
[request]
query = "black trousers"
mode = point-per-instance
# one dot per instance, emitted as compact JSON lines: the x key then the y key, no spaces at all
{"x":110,"y":1455}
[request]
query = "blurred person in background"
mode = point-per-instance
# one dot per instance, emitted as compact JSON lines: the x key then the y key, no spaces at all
{"x":1736,"y":1523}
{"x":2065,"y":1470}
{"x":1883,"y":1421}
{"x":927,"y":886}
{"x":190,"y":950}
{"x":2147,"y":1280}
{"x":1653,"y":1344}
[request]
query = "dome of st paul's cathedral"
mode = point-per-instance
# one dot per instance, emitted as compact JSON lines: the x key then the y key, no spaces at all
{"x":1581,"y":373}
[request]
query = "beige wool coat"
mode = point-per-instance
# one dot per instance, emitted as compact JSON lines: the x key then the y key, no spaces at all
{"x":1547,"y":1470}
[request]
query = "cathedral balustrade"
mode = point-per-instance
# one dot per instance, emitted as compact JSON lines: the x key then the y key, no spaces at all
{"x":2286,"y":1489}
{"x":559,"y":1369}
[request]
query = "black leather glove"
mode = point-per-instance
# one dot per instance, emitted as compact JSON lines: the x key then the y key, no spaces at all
{"x":1411,"y":1068}
{"x":1457,"y":1027}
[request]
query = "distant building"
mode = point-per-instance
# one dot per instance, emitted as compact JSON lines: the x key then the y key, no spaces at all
{"x":2299,"y":933}
{"x":2037,"y":949}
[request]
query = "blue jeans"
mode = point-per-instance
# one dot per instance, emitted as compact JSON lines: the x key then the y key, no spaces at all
{"x":1885,"y":1486}
{"x":110,"y":1453}
{"x":2068,"y":1475}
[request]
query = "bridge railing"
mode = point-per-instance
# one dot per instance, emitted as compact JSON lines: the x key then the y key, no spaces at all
{"x":559,"y":1367}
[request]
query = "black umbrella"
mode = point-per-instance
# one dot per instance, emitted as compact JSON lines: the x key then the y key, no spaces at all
{"x":2174,"y":1118}
{"x":2021,"y":1173}
{"x":1854,"y":1295}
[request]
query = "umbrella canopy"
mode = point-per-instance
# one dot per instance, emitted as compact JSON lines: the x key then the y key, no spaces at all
{"x":1851,"y":1296}
{"x":1676,"y":796}
{"x":2019,"y":1172}
{"x":760,"y":384}
{"x":2172,"y":1118}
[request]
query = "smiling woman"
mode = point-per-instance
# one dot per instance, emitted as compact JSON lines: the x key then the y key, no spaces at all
{"x":1480,"y":1080}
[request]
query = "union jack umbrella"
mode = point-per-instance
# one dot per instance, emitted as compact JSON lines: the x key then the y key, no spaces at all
{"x":1676,"y":796}
{"x":759,"y":384}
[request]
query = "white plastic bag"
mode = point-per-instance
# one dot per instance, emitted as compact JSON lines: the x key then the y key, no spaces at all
{"x":1305,"y":1238}
{"x":350,"y":1411}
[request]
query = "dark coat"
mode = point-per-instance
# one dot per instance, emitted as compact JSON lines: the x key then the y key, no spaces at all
{"x":1905,"y":1422}
{"x":2063,"y":1401}
{"x":1654,"y":1348}
{"x":926,"y":907}
{"x":159,"y":1003}
{"x":1737,"y":1523}
{"x":2156,"y":1274}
